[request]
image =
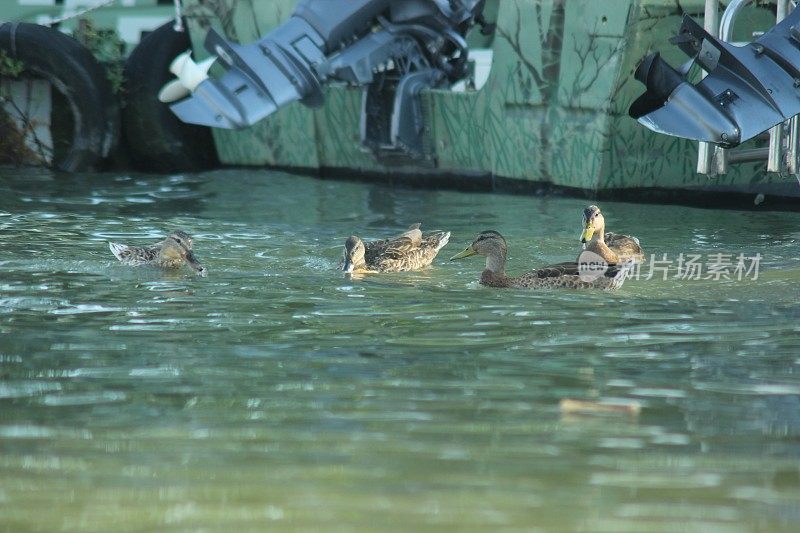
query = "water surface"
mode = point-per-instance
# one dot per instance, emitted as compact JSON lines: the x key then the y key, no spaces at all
{"x":278,"y":394}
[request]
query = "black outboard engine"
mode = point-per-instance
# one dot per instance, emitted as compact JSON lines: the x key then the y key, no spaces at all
{"x":393,"y":49}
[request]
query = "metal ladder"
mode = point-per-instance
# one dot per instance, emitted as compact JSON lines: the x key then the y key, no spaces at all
{"x":783,"y":154}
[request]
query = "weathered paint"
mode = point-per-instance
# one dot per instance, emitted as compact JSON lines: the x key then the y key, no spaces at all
{"x":553,"y":110}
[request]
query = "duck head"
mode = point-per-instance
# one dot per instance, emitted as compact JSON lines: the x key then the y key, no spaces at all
{"x":593,"y":224}
{"x":177,"y":249}
{"x":353,"y":255}
{"x":491,"y":245}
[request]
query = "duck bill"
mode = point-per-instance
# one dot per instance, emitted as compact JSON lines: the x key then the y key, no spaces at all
{"x":192,"y":261}
{"x":466,"y":253}
{"x":588,"y":231}
{"x":348,"y":266}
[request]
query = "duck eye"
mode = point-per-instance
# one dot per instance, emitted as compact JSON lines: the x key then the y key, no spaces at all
{"x":178,"y":240}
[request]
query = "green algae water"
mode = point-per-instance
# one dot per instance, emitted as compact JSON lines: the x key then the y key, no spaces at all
{"x":277,"y":394}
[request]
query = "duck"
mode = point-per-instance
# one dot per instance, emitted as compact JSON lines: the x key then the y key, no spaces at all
{"x":171,"y":253}
{"x":409,"y":251}
{"x":493,"y":246}
{"x":612,"y":247}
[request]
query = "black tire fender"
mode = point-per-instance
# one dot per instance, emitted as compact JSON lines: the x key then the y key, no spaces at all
{"x":157,"y":140}
{"x":73,"y":72}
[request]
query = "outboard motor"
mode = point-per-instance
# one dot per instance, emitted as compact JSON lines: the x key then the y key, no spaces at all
{"x":748,"y":89}
{"x":392,"y":49}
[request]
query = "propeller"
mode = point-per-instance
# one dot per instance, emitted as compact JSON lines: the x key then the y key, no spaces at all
{"x":189,"y":76}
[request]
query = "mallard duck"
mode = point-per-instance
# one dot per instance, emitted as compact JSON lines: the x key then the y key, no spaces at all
{"x":612,"y":247}
{"x":170,"y":253}
{"x":492,"y":245}
{"x":410,"y":251}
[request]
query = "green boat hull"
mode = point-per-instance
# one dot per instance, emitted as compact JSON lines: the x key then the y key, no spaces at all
{"x":553,"y":111}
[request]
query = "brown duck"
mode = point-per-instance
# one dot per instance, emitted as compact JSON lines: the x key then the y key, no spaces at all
{"x":612,"y":247}
{"x":171,"y":253}
{"x":492,"y":245}
{"x":412,"y":250}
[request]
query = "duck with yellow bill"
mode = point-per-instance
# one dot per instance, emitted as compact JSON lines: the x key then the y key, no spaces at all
{"x":491,"y":245}
{"x":612,"y":247}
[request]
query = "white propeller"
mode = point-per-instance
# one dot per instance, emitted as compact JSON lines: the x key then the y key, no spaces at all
{"x":189,"y":76}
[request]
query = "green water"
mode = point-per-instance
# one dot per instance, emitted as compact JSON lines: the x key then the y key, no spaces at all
{"x":278,"y":394}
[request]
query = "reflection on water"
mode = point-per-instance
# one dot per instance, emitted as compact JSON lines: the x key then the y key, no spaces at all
{"x":279,"y":393}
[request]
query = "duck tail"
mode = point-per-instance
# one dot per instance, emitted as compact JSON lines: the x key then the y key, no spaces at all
{"x":443,"y":238}
{"x":118,"y":250}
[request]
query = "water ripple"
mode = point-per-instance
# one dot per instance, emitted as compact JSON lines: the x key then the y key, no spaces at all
{"x":279,"y":389}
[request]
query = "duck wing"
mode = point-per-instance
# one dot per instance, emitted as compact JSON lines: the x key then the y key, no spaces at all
{"x":414,"y":233}
{"x":625,"y":246}
{"x":567,"y":275}
{"x":396,"y":247}
{"x":569,"y":268}
{"x":409,"y":251}
{"x":133,"y":255}
{"x":400,"y":247}
{"x":413,"y":242}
